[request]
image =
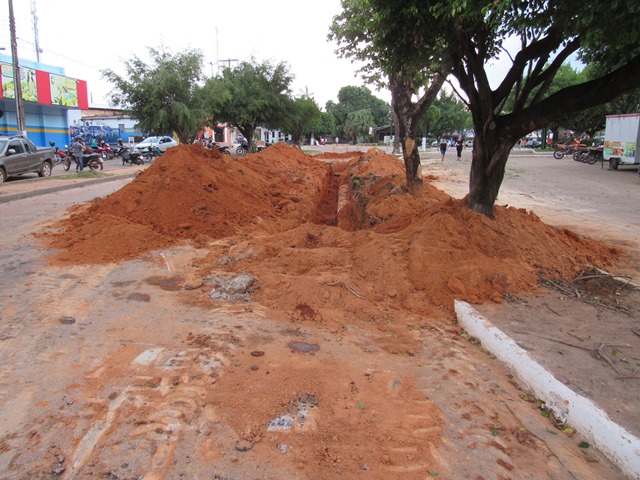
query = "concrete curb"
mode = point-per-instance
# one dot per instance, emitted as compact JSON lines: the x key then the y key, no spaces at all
{"x":619,"y":445}
{"x":58,"y":188}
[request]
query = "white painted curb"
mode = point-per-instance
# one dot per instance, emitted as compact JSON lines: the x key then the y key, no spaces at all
{"x":615,"y":442}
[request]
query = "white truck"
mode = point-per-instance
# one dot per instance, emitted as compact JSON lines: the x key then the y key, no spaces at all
{"x":621,"y":137}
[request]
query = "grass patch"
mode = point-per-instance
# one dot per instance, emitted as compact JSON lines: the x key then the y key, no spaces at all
{"x":83,"y":174}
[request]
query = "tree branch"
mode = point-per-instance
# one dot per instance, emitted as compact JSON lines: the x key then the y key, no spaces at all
{"x":572,"y":99}
{"x":536,"y":49}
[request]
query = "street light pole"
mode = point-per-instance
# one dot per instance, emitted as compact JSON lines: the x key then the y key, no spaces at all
{"x":17,"y":81}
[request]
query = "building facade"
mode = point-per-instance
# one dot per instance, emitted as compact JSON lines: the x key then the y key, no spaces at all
{"x":47,"y":94}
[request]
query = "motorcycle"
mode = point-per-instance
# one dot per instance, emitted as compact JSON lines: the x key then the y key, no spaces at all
{"x":89,"y":159}
{"x":132,"y":158}
{"x":243,"y":148}
{"x":150,"y":153}
{"x":105,"y":151}
{"x":58,"y":155}
{"x":223,"y":149}
{"x":120,"y":149}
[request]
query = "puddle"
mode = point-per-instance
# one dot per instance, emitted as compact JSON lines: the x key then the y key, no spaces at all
{"x":303,"y":347}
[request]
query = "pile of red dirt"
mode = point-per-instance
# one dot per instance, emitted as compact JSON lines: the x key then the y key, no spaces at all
{"x":391,"y":249}
{"x":193,"y":193}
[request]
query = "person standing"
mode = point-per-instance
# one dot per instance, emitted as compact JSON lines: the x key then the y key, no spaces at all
{"x":443,"y":147}
{"x":78,"y":151}
{"x":459,"y":146}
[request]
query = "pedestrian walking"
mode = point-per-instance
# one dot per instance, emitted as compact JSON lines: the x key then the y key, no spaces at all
{"x":459,"y":146}
{"x":443,"y":147}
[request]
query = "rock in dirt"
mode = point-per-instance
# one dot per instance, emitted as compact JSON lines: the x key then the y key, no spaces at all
{"x":233,"y":288}
{"x":244,"y":445}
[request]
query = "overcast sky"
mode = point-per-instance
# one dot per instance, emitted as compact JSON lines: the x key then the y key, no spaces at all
{"x":86,"y":37}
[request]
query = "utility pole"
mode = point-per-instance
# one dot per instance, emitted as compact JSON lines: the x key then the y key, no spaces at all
{"x":17,"y":80}
{"x":228,"y":61}
{"x":217,"y":54}
{"x":34,"y":14}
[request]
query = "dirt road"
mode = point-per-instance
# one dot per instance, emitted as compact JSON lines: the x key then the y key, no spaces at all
{"x":116,"y":371}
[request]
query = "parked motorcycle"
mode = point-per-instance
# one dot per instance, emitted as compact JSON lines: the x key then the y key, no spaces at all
{"x":131,"y":158}
{"x":243,"y":148}
{"x":150,"y":153}
{"x":59,"y":155}
{"x":221,"y":148}
{"x":105,"y":151}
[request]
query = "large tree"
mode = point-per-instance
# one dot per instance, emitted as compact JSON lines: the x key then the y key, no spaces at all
{"x":454,"y":115}
{"x":409,"y":66}
{"x":469,"y":36}
{"x":163,"y":96}
{"x":352,"y":99}
{"x":257,"y":94}
{"x":303,"y":116}
{"x":358,"y":124}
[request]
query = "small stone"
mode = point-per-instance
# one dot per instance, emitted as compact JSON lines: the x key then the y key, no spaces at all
{"x":254,"y":367}
{"x":244,"y":445}
{"x":58,"y":470}
{"x":193,"y":283}
{"x":233,"y":459}
{"x":59,"y":458}
{"x":257,"y":353}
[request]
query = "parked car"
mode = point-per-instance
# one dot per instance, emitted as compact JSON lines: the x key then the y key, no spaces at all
{"x":19,"y":155}
{"x":469,"y":143}
{"x":163,"y":143}
{"x":533,"y":143}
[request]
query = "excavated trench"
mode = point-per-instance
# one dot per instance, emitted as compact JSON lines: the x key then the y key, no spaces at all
{"x":337,"y":205}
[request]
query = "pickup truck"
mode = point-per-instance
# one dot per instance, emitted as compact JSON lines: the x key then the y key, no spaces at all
{"x":19,"y":155}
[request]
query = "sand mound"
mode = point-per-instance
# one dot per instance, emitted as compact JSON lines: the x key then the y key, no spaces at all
{"x":391,"y":250}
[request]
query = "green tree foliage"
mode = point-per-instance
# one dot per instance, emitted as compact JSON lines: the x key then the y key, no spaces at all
{"x":470,"y":35}
{"x":303,"y":118}
{"x":394,"y":41}
{"x":358,"y":123}
{"x":454,"y":115}
{"x":163,"y":96}
{"x":549,"y":33}
{"x":256,"y":94}
{"x":327,"y":125}
{"x":352,"y":99}
{"x":429,"y":121}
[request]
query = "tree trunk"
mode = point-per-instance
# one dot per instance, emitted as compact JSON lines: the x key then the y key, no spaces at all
{"x":407,"y":115}
{"x":404,"y":114}
{"x":394,"y":132}
{"x":490,"y":155}
{"x":247,"y":131}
